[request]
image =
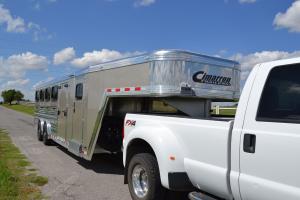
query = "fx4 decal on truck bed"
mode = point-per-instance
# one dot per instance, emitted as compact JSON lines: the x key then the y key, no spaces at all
{"x":130,"y":122}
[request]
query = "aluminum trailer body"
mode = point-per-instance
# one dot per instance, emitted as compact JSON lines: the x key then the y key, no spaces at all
{"x":84,"y":112}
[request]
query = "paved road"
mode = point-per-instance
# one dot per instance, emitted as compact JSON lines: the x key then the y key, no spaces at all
{"x":69,"y":177}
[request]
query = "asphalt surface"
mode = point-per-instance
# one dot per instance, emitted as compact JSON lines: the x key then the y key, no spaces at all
{"x":69,"y":177}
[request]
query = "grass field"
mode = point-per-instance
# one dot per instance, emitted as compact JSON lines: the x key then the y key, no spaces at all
{"x":17,"y":180}
{"x":226,"y":111}
{"x":28,"y":109}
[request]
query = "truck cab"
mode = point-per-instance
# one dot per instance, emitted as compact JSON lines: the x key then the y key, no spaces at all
{"x":265,"y":141}
{"x":253,"y":156}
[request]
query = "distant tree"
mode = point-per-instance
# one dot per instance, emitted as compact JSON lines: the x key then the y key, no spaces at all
{"x":8,"y":96}
{"x":18,"y":96}
{"x":11,"y":95}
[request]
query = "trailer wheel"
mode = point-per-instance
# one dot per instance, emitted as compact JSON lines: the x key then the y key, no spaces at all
{"x":46,"y":141}
{"x":144,"y":179}
{"x":39,"y":132}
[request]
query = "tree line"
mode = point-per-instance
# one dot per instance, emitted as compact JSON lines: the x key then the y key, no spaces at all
{"x":12,"y":95}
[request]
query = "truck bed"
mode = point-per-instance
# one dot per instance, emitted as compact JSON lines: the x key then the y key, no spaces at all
{"x":201,"y":143}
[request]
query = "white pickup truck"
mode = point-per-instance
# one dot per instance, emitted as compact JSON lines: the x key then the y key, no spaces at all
{"x":255,"y":156}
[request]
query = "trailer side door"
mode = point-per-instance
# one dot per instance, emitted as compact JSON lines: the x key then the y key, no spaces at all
{"x":78,"y":112}
{"x":62,"y":112}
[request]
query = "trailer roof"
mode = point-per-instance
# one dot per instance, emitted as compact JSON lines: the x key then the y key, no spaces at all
{"x":158,"y":55}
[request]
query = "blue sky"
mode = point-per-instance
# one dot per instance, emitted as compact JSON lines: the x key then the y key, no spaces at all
{"x":43,"y":39}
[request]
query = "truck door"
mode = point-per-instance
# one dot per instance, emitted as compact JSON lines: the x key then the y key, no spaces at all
{"x":62,"y":110}
{"x":270,"y":142}
{"x":78,"y":112}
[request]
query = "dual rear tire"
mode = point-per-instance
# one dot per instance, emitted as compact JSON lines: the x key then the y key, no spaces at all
{"x":39,"y":132}
{"x":144,"y":178}
{"x":42,"y":135}
{"x":46,"y":141}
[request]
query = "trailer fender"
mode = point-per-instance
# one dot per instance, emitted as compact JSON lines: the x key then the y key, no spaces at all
{"x":165,"y":146}
{"x":49,"y":128}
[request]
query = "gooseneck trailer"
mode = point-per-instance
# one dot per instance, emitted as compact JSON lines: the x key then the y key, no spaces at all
{"x":85,"y":112}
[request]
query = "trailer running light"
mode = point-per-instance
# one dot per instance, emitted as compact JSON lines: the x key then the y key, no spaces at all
{"x":138,"y":89}
{"x":126,"y":89}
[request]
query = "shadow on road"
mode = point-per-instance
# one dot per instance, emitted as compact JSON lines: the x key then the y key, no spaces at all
{"x":112,"y":164}
{"x":101,"y":163}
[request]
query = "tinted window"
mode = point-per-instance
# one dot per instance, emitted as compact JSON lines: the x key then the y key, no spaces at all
{"x":41,"y":95}
{"x":37,"y":96}
{"x":79,"y":91}
{"x":54,"y":93}
{"x":280,"y":101}
{"x":47,"y":94}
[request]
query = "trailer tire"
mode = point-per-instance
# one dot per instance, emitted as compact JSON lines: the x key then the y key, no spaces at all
{"x":144,"y":178}
{"x":39,"y":132}
{"x":46,"y":141}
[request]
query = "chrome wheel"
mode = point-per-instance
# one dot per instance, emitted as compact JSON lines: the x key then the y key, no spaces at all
{"x":140,"y":181}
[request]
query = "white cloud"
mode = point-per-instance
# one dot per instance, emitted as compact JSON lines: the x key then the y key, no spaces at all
{"x":96,"y":57}
{"x":17,"y":65}
{"x":249,"y":61}
{"x":13,"y":24}
{"x":64,"y":55}
{"x":247,"y":1}
{"x":139,"y":3}
{"x":38,"y":32}
{"x":18,"y":25}
{"x":290,"y":19}
{"x":15,"y":83}
{"x":41,"y":82}
{"x":37,"y":6}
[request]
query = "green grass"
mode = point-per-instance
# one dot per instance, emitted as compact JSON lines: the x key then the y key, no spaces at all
{"x":21,"y":108}
{"x":226,"y":112}
{"x":17,"y":180}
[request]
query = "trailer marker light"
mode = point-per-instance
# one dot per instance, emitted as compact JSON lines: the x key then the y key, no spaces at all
{"x":126,"y":89}
{"x":138,"y":89}
{"x":172,"y":158}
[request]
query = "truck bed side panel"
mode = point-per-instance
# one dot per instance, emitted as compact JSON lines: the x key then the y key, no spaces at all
{"x":202,"y":148}
{"x":207,"y":161}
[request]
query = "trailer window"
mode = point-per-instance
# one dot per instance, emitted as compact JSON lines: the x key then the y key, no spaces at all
{"x":47,"y":94}
{"x":79,"y":91}
{"x":54,"y":93}
{"x":41,"y":95}
{"x":36,"y":96}
{"x":280,"y":100}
